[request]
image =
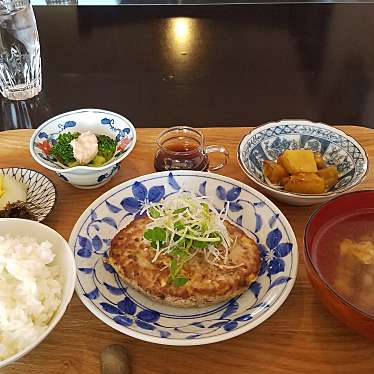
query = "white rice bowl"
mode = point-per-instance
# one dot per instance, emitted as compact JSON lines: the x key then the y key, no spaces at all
{"x":37,"y":277}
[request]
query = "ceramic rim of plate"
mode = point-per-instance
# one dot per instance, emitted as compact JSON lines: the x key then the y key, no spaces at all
{"x":207,"y":340}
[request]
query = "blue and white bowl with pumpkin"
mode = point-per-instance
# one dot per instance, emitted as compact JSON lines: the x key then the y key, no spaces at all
{"x":270,"y":140}
{"x":98,"y":122}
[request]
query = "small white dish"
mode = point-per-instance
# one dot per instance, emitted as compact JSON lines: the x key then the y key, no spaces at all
{"x":268,"y":141}
{"x":97,"y":121}
{"x":40,"y":189}
{"x":64,"y":258}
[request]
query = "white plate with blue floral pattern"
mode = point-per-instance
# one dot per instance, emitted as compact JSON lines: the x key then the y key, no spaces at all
{"x":130,"y":312}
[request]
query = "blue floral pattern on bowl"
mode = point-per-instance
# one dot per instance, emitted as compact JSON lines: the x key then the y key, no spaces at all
{"x":269,"y":141}
{"x":109,"y":174}
{"x":98,"y":122}
{"x":102,"y":122}
{"x":128,"y":311}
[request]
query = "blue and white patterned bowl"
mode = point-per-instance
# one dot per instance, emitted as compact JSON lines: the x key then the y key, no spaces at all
{"x":97,"y":121}
{"x":128,"y":311}
{"x":40,"y":190}
{"x":268,"y":141}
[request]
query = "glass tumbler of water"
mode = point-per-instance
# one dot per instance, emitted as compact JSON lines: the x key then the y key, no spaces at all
{"x":20,"y":64}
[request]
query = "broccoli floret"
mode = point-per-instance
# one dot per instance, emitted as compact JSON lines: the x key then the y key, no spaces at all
{"x":62,"y":150}
{"x":98,"y":161}
{"x":106,"y":146}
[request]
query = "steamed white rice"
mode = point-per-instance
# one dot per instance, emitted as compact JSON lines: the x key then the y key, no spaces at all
{"x":30,"y":292}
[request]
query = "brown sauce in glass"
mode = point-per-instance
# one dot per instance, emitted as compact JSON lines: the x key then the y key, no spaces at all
{"x":181,"y":154}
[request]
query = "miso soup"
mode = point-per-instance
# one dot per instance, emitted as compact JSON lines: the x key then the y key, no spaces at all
{"x":344,"y":256}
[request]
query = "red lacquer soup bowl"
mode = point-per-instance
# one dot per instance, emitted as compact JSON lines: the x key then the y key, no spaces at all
{"x":339,"y":257}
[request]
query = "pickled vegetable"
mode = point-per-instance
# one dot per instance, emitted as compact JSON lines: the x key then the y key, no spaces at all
{"x":329,"y":175}
{"x":301,"y":171}
{"x":321,"y":164}
{"x":284,"y":180}
{"x":280,"y":160}
{"x":299,"y":161}
{"x":274,"y":172}
{"x":308,"y":183}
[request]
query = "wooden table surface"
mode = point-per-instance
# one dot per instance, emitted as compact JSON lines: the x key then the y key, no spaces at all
{"x":301,"y":337}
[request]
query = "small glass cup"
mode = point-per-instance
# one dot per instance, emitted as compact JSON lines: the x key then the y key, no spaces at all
{"x":183,"y":148}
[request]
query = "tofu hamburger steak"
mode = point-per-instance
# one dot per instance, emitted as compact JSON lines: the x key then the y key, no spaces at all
{"x":183,"y":253}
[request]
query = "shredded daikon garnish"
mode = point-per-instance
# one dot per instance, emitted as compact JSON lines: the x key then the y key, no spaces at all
{"x":182,"y":226}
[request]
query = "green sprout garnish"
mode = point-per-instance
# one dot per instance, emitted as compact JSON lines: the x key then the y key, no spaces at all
{"x":183,"y":226}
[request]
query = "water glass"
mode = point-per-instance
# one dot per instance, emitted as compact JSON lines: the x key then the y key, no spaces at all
{"x":20,"y":64}
{"x":24,"y":114}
